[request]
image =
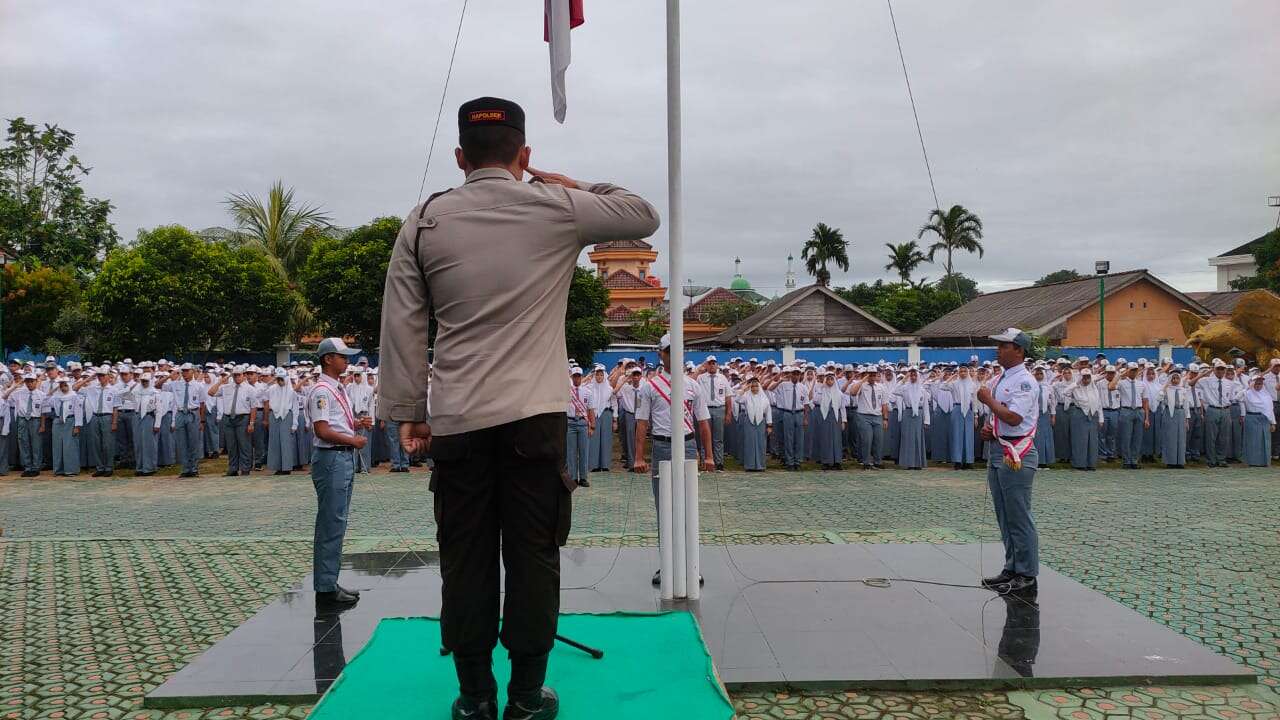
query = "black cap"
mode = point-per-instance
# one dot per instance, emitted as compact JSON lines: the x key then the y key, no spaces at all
{"x":486,"y":111}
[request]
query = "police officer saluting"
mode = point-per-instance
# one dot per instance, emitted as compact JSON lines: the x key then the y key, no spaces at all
{"x":333,"y":469}
{"x":1012,"y":462}
{"x":494,"y":259}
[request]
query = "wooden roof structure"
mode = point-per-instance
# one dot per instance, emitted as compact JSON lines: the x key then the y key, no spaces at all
{"x":810,"y":316}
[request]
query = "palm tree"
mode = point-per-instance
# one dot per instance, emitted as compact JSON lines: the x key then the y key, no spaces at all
{"x":957,"y":229}
{"x":826,"y":245}
{"x":284,"y":231}
{"x":904,"y":258}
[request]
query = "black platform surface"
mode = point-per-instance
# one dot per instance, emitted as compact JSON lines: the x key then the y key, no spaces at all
{"x":840,"y":632}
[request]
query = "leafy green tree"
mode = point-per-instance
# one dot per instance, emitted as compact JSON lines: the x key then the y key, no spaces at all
{"x":1266,"y":255}
{"x":647,"y":326}
{"x":1058,"y":276}
{"x":172,"y":293}
{"x":343,"y":280}
{"x":909,"y":308}
{"x":956,"y":229}
{"x":864,"y":295}
{"x":904,"y":258}
{"x":584,"y":330}
{"x":34,"y":297}
{"x":826,"y":245}
{"x":957,"y":283}
{"x":284,"y":231}
{"x":728,"y":313}
{"x":45,"y":215}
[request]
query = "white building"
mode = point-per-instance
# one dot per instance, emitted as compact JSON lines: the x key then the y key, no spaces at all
{"x":1235,"y":263}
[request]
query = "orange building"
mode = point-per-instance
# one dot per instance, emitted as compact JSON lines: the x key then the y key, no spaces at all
{"x":1139,"y":310}
{"x":623,"y":267}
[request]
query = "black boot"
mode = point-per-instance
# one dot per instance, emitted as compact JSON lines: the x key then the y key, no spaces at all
{"x":469,"y":708}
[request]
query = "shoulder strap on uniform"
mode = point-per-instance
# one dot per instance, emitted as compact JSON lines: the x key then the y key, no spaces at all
{"x":417,"y":236}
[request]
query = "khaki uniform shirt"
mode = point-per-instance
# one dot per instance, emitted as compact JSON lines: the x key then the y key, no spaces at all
{"x":494,"y":259}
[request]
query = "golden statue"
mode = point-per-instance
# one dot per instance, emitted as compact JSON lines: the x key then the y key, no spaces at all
{"x":1254,"y":330}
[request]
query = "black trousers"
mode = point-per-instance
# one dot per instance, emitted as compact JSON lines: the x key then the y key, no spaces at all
{"x":504,"y":489}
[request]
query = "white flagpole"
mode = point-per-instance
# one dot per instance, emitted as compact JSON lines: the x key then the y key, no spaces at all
{"x":675,"y":271}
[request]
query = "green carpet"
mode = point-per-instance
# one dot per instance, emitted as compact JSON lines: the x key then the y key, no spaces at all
{"x":654,"y":665}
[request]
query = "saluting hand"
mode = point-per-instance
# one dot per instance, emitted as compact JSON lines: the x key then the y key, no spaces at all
{"x":553,"y":178}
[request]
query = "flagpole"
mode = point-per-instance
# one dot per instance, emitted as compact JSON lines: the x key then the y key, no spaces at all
{"x":680,"y":583}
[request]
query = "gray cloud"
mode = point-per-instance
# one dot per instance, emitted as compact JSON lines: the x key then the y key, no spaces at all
{"x":1141,"y":132}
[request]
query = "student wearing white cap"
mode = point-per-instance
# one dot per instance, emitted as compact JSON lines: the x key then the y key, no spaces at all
{"x":126,"y":428}
{"x":237,"y":397}
{"x":28,"y":401}
{"x":600,"y":394}
{"x":1217,"y":393}
{"x":792,"y":398}
{"x":67,"y":419}
{"x":1135,"y":410}
{"x":718,"y":392}
{"x":189,"y":395}
{"x":581,"y":426}
{"x":101,"y":418}
{"x":333,"y":469}
{"x":653,"y":419}
{"x":626,"y":392}
{"x":48,"y":385}
{"x":1012,"y":462}
{"x":261,"y":422}
{"x":870,"y":410}
{"x":212,"y":417}
{"x":303,"y":437}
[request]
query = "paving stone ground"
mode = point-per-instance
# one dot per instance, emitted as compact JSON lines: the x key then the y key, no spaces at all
{"x":111,"y":585}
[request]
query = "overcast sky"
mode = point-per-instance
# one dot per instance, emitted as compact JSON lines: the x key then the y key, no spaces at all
{"x":1147,"y":133}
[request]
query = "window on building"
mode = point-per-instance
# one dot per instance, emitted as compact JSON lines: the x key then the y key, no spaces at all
{"x":1144,"y":306}
{"x":642,"y":273}
{"x":1130,"y":306}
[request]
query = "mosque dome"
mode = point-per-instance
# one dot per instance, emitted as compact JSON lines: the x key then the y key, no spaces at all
{"x":739,"y":283}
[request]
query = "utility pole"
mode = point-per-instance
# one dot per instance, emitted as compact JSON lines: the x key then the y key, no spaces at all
{"x":1274,"y":201}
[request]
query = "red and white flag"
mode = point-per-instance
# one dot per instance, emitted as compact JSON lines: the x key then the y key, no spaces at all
{"x":559,"y":17}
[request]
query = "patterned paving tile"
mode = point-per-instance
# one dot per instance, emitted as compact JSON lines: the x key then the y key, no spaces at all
{"x":91,"y":624}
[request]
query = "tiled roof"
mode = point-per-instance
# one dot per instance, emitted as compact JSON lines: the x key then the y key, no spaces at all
{"x":623,"y":245}
{"x":618,"y":313}
{"x":623,"y":280}
{"x":1035,"y":307}
{"x":702,"y":308}
{"x":1219,"y":303}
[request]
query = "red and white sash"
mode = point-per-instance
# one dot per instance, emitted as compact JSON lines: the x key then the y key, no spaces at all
{"x":578,"y":407}
{"x":688,"y":406}
{"x":1014,"y":452}
{"x":339,"y":396}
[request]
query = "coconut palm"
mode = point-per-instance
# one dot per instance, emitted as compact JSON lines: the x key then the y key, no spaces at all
{"x":826,"y":245}
{"x":284,"y":230}
{"x":904,"y":258}
{"x":957,"y":229}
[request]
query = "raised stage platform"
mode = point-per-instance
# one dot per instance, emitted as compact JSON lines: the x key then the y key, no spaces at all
{"x":796,"y":633}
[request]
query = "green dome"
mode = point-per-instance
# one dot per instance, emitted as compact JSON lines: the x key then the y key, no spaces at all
{"x":739,"y":283}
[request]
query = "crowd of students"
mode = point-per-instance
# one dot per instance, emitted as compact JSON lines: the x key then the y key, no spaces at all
{"x":156,"y":414}
{"x":1131,"y":412}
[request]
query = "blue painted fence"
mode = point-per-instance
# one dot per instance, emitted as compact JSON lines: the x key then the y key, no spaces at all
{"x":859,"y":356}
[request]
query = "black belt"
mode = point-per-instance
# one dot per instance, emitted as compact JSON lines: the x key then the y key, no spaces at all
{"x":236,"y":416}
{"x":1258,"y":414}
{"x":102,"y":414}
{"x":789,"y":411}
{"x":663,"y":438}
{"x":1013,"y":438}
{"x":342,"y":448}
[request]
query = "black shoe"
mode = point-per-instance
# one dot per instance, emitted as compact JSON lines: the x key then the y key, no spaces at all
{"x":657,"y":577}
{"x":545,"y":705}
{"x":467,"y":708}
{"x":878,"y":466}
{"x":584,"y":483}
{"x":353,"y":593}
{"x":336,"y":598}
{"x":866,"y":466}
{"x":29,"y":473}
{"x":1004,"y":577}
{"x":1018,"y":585}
